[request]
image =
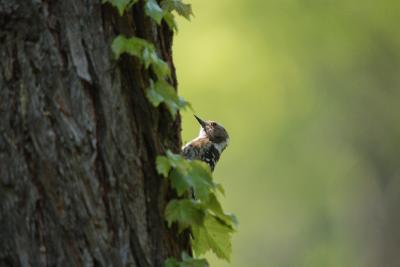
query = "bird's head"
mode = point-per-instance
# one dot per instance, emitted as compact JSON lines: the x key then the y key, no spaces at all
{"x":213,"y":130}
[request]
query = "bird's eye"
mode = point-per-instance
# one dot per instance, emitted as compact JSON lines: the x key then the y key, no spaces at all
{"x":213,"y":124}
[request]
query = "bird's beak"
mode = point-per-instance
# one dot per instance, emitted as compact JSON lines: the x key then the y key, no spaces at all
{"x":202,"y":123}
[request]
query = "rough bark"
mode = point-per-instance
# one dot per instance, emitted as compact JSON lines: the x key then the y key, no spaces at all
{"x":78,"y":139}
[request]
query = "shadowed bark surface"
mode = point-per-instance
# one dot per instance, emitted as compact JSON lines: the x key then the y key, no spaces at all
{"x":78,"y":139}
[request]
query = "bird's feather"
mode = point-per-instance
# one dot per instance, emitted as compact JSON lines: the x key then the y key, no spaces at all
{"x":202,"y":149}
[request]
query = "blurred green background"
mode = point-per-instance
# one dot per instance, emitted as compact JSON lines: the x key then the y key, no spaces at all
{"x":309,"y":91}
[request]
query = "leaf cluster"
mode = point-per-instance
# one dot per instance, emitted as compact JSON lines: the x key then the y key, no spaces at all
{"x":164,"y":11}
{"x":159,"y":90}
{"x":158,"y":12}
{"x":182,"y":9}
{"x":211,"y":227}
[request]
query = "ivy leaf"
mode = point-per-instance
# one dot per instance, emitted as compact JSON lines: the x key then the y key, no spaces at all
{"x":142,"y":49}
{"x":190,"y":262}
{"x":220,"y":188}
{"x":214,"y":205}
{"x":181,"y":8}
{"x":187,"y":261}
{"x":178,"y":182}
{"x":198,"y":177}
{"x":211,"y":227}
{"x":148,"y":55}
{"x":163,"y":166}
{"x":160,"y":67}
{"x":162,"y":91}
{"x":154,"y":11}
{"x":169,"y":18}
{"x":186,"y":212}
{"x":212,"y":235}
{"x":177,"y":161}
{"x":171,"y":262}
{"x":171,"y":160}
{"x":153,"y":95}
{"x":187,"y":175}
{"x":121,"y":5}
{"x":132,"y":45}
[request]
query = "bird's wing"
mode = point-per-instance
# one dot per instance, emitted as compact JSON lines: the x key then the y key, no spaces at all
{"x":191,"y":152}
{"x":210,"y":156}
{"x":196,"y":148}
{"x":202,"y":150}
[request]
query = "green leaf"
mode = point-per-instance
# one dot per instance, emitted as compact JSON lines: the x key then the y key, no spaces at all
{"x":132,"y":46}
{"x":187,"y":261}
{"x":153,"y":94}
{"x":171,"y":160}
{"x":211,"y":226}
{"x":163,"y":166}
{"x":148,"y":55}
{"x":162,"y":91}
{"x":220,"y":188}
{"x":186,"y":175}
{"x":154,"y":11}
{"x":186,"y":212}
{"x":160,"y":67}
{"x":121,"y":5}
{"x":171,"y":262}
{"x":194,"y":263}
{"x":214,"y":205}
{"x":198,"y":177}
{"x":179,"y":183}
{"x":212,"y":235}
{"x":178,"y":161}
{"x":181,"y":8}
{"x":169,"y":18}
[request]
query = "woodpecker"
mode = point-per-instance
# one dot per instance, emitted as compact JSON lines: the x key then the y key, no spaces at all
{"x":209,"y":144}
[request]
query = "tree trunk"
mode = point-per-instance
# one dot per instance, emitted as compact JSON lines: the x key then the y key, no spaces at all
{"x":78,"y":139}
